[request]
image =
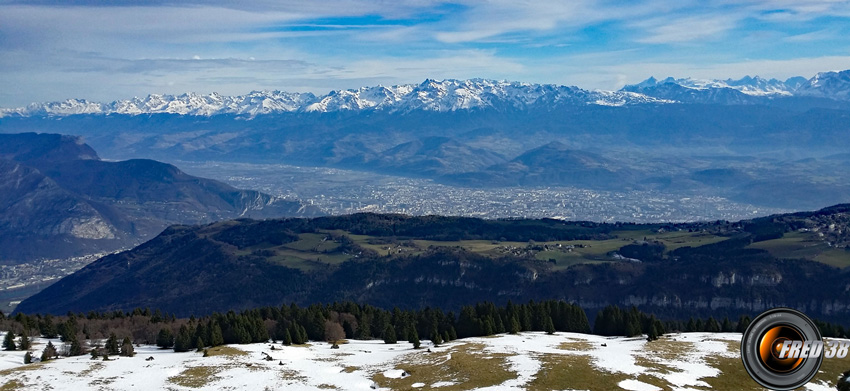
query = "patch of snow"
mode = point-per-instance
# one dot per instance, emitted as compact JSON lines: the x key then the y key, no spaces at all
{"x":635,"y":385}
{"x":442,"y":384}
{"x":395,"y":373}
{"x":352,"y":366}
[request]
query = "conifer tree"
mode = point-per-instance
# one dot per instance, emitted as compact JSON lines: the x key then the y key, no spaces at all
{"x":24,"y":343}
{"x":112,"y":345}
{"x":201,"y":333}
{"x":632,"y":326}
{"x":413,"y":337}
{"x":436,"y":338}
{"x":199,"y":344}
{"x":389,"y":335}
{"x":68,"y":330}
{"x":486,"y":327}
{"x":46,"y":327}
{"x":304,"y":337}
{"x":514,"y":325}
{"x":711,"y":325}
{"x":9,"y":341}
{"x":183,"y":341}
{"x":287,"y":338}
{"x":76,"y":349}
{"x":691,"y":326}
{"x":549,"y":326}
{"x":127,"y":349}
{"x":49,"y":352}
{"x":726,"y":325}
{"x":515,"y":328}
{"x":165,"y":339}
{"x":364,"y":330}
{"x":525,"y":318}
{"x":500,"y":325}
{"x":659,"y":327}
{"x":652,"y":334}
{"x":216,"y":338}
{"x":296,"y":334}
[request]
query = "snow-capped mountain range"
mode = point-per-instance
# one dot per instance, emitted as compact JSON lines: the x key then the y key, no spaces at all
{"x":450,"y":95}
{"x":431,"y":95}
{"x":756,"y":86}
{"x":831,"y":85}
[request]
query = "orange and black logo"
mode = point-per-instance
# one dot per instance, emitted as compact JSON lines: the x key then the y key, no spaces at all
{"x":782,"y":349}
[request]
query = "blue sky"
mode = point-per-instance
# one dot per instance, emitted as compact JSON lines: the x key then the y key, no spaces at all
{"x":108,"y":50}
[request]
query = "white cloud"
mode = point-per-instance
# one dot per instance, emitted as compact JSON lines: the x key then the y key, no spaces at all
{"x":50,"y":51}
{"x":662,"y":30}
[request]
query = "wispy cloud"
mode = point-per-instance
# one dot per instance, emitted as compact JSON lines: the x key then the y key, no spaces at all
{"x":814,"y":36}
{"x":662,"y":30}
{"x":52,"y":49}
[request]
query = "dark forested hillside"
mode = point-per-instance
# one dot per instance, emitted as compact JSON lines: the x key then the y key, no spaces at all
{"x":696,"y":269}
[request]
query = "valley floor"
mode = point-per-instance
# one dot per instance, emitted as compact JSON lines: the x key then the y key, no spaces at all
{"x":528,"y":361}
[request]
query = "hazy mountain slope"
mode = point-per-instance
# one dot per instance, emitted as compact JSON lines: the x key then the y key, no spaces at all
{"x":464,"y":132}
{"x":58,"y":199}
{"x":554,"y":164}
{"x":38,"y":218}
{"x":434,"y":156}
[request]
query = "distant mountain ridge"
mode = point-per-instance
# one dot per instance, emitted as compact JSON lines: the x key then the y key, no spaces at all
{"x":828,"y":85}
{"x":430,"y":95}
{"x":443,"y":96}
{"x":58,"y":199}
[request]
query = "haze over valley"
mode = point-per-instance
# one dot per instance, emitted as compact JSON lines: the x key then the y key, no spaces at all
{"x":465,"y":195}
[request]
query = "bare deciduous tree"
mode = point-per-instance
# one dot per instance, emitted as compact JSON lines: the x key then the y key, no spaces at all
{"x":333,"y":333}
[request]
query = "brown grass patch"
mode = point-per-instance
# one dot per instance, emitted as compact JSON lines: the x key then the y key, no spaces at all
{"x":12,"y":385}
{"x":28,"y":367}
{"x":225,"y":351}
{"x":469,"y":367}
{"x":291,"y":375}
{"x":577,"y":346}
{"x":576,"y":372}
{"x":196,"y":377}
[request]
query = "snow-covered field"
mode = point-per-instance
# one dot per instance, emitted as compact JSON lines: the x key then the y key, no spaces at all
{"x":534,"y":361}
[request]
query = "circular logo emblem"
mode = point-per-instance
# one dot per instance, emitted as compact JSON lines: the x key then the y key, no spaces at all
{"x":776,"y":352}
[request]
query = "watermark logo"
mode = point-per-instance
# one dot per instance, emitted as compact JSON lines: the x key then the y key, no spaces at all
{"x":782,"y":349}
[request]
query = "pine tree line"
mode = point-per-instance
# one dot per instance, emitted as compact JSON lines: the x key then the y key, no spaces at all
{"x":81,"y":333}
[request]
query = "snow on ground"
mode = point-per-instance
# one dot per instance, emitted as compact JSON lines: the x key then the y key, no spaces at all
{"x":354,"y":365}
{"x":635,"y":385}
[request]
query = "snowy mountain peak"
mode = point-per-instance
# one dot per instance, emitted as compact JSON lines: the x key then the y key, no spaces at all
{"x":835,"y":85}
{"x":748,"y":85}
{"x":430,"y":95}
{"x":453,"y":95}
